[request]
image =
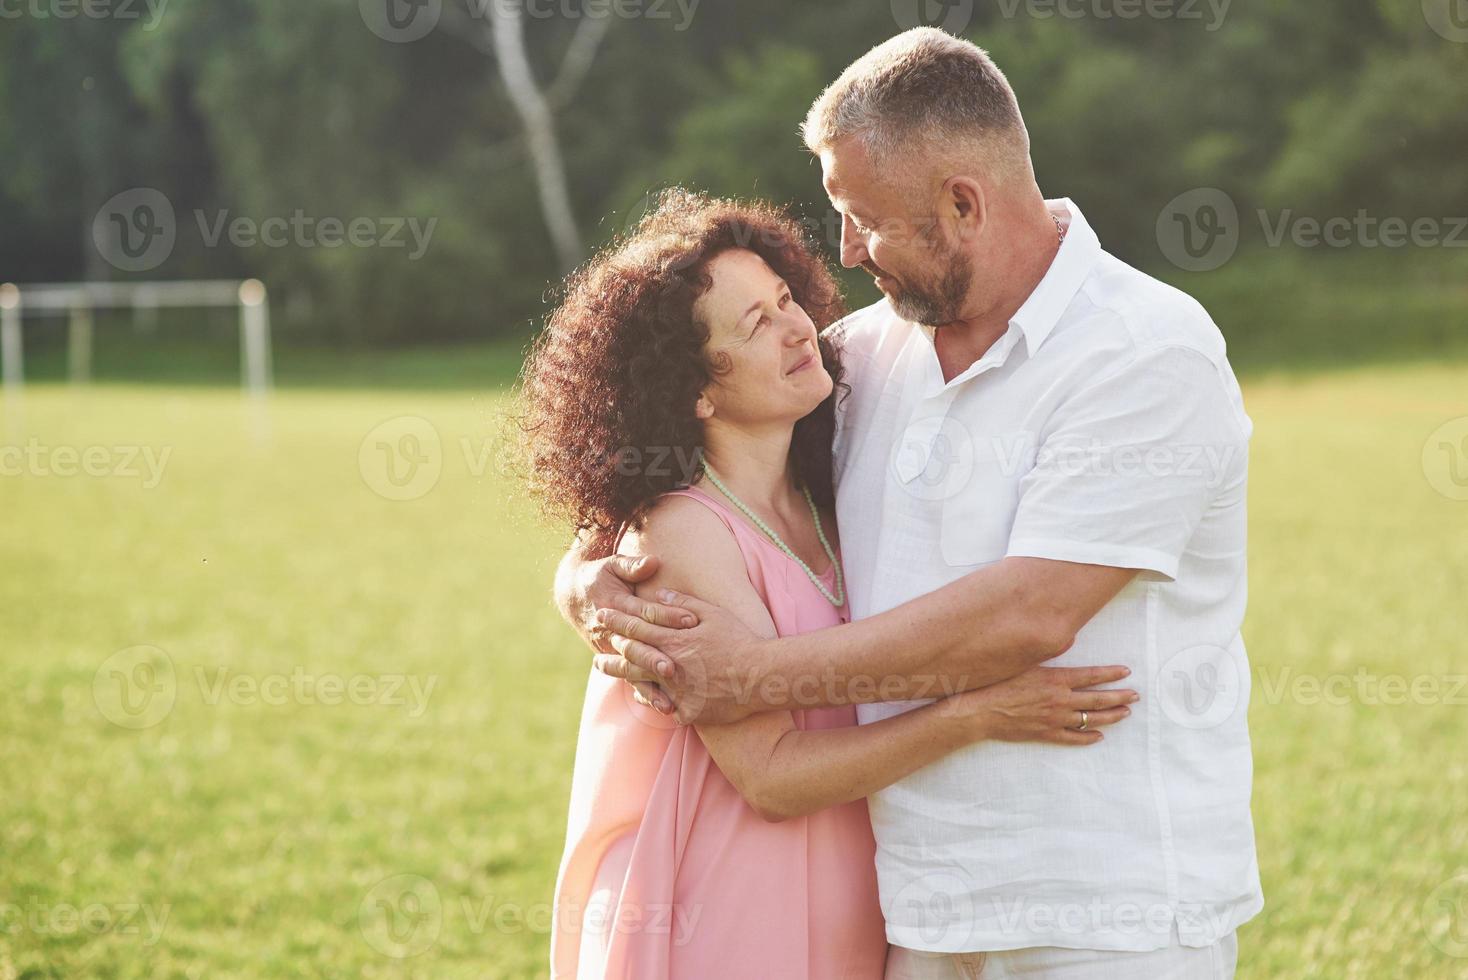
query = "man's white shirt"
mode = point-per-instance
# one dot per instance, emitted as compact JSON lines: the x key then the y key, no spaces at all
{"x":1104,"y":427}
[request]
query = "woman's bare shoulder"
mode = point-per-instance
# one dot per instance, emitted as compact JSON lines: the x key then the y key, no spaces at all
{"x":698,"y":555}
{"x":676,"y":526}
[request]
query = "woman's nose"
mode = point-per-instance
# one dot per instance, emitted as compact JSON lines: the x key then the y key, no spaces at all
{"x":798,"y":330}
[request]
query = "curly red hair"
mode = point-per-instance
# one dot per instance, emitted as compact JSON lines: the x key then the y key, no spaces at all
{"x":609,"y":388}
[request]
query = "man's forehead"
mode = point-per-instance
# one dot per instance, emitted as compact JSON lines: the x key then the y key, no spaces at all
{"x":847,"y":176}
{"x":843,"y":163}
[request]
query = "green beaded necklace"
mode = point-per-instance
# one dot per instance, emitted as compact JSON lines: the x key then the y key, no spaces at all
{"x":839,"y":599}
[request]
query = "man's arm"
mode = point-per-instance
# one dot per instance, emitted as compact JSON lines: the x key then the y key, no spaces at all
{"x":987,"y":627}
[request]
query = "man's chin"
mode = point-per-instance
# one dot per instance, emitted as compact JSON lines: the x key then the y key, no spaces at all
{"x":889,"y":290}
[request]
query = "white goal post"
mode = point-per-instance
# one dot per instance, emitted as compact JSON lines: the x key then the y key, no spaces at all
{"x":77,"y":301}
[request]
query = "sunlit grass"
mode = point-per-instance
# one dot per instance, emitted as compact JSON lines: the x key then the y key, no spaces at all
{"x":266,"y":833}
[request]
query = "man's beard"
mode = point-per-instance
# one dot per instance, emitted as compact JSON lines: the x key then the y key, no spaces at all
{"x":937,"y":300}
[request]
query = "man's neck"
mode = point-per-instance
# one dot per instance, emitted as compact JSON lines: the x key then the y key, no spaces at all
{"x":963,"y":342}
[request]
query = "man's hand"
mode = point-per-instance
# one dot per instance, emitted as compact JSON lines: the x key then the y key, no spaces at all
{"x":709,"y":669}
{"x":582,"y":586}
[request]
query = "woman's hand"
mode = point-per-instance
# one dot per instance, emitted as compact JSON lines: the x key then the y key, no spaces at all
{"x":1045,"y":704}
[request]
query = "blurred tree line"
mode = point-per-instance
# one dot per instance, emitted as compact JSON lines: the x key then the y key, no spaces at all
{"x":260,"y":108}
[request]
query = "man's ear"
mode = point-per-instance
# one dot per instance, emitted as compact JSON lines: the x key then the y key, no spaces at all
{"x":703,"y":409}
{"x":965,"y":207}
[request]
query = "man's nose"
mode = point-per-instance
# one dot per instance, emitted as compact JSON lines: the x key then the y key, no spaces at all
{"x":853,"y":245}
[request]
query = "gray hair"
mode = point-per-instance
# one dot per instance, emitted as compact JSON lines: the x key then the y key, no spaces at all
{"x":921,"y":89}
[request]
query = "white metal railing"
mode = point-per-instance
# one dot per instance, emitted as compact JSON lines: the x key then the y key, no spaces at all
{"x":77,"y":301}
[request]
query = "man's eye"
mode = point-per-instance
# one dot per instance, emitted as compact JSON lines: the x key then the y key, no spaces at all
{"x":783,"y":300}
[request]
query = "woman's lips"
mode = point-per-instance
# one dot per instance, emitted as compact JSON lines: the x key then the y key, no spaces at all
{"x":804,"y":363}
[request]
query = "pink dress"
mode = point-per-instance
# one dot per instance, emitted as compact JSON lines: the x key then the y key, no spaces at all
{"x":668,"y":873}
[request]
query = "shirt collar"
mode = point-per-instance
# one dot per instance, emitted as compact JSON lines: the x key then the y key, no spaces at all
{"x":1078,"y":253}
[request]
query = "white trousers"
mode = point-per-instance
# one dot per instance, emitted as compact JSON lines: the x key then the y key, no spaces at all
{"x":1216,"y":962}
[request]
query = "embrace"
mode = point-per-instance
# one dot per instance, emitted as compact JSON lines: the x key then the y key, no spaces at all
{"x":917,"y":628}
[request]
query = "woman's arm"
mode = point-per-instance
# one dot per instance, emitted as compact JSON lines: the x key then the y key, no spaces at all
{"x":785,"y":772}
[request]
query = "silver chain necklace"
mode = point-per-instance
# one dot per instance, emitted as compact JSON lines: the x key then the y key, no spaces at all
{"x":1059,"y":228}
{"x":839,"y":599}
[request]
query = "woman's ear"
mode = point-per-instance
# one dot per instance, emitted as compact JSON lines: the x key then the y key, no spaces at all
{"x":703,"y":408}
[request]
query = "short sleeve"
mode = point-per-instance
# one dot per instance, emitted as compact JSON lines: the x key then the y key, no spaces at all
{"x":1127,"y":466}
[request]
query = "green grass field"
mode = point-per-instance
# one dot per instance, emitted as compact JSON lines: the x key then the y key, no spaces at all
{"x":348,"y":733}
